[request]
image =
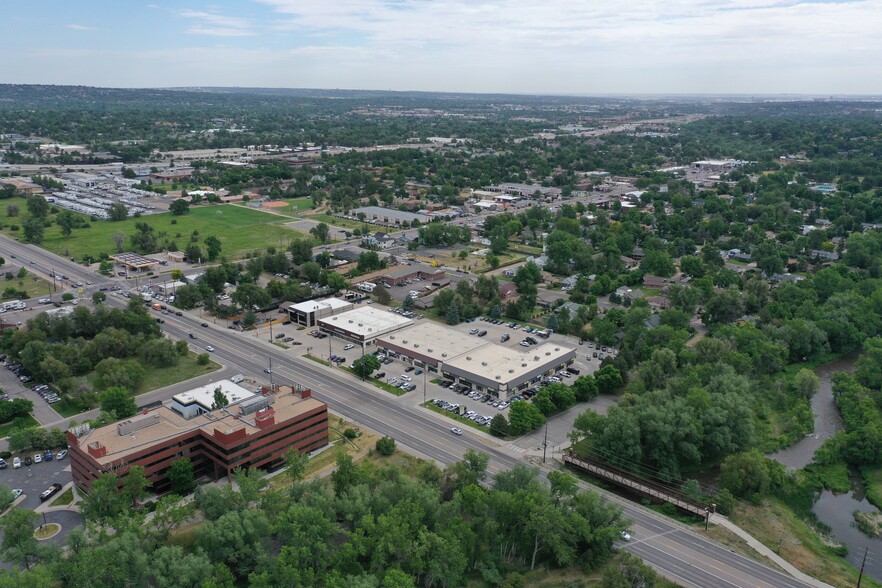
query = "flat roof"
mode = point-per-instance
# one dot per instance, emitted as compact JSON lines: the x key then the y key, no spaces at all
{"x":170,"y":425}
{"x":133,"y":260}
{"x":366,"y":322}
{"x":204,"y":395}
{"x":310,"y":305}
{"x":391,"y":213}
{"x":433,"y":340}
{"x":502,"y":364}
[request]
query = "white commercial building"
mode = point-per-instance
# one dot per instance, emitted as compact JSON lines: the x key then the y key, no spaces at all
{"x":363,"y":324}
{"x":307,"y":313}
{"x":200,"y":400}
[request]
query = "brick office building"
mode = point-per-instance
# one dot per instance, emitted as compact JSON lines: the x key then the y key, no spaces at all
{"x":253,"y":430}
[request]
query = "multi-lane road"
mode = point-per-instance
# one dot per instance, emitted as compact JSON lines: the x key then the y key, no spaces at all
{"x":677,"y":552}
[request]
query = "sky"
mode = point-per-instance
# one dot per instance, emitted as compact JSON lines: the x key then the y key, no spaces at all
{"x":590,"y":47}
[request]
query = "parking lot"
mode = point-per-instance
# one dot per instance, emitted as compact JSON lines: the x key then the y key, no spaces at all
{"x":36,"y":478}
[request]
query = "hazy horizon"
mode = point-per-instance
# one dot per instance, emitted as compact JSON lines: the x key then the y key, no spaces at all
{"x":636,"y":48}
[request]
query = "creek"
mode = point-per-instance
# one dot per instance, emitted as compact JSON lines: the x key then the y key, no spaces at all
{"x":835,"y":510}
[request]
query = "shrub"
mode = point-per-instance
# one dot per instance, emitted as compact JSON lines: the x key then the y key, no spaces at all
{"x":350,"y":433}
{"x":202,"y":359}
{"x":386,"y":446}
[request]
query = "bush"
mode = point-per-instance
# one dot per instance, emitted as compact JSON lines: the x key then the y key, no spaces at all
{"x":386,"y":446}
{"x":203,"y":359}
{"x":350,"y":433}
{"x":5,"y":455}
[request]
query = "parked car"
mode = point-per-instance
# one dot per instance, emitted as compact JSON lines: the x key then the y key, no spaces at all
{"x":16,"y":463}
{"x":38,"y":457}
{"x":48,"y":455}
{"x":50,"y":492}
{"x":16,"y":492}
{"x":3,"y":464}
{"x":28,"y":461}
{"x":409,"y":368}
{"x":61,"y":454}
{"x":280,"y":336}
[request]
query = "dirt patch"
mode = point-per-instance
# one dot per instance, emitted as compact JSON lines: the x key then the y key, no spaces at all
{"x":274,"y":204}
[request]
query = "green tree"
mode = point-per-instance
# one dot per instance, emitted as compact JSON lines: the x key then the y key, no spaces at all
{"x":805,"y":383}
{"x":382,"y":296}
{"x":103,"y":501}
{"x":385,"y":446}
{"x":499,"y":425}
{"x":366,"y":365}
{"x":179,"y":207}
{"x":452,"y":316}
{"x":628,"y":571}
{"x":38,"y":207}
{"x":181,"y":476}
{"x":119,"y":372}
{"x":585,"y":388}
{"x":118,"y":402}
{"x":321,"y":232}
{"x":301,"y":250}
{"x":750,"y":474}
{"x":220,"y":399}
{"x":99,"y":297}
{"x":19,"y":544}
{"x":66,"y":221}
{"x":608,"y":379}
{"x":118,"y":212}
{"x":524,"y":417}
{"x":33,"y":229}
{"x":136,"y":484}
{"x":295,"y":465}
{"x":212,"y":247}
{"x":658,"y":263}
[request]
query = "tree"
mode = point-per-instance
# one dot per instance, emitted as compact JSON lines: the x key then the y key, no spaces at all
{"x":382,"y":296}
{"x":295,"y":465}
{"x":212,"y":247}
{"x":103,"y":502}
{"x":38,"y":207}
{"x":523,"y":417}
{"x":453,"y":314}
{"x":385,"y":446}
{"x":585,"y":388}
{"x":320,"y":232}
{"x":181,"y":477}
{"x":179,"y":207}
{"x":118,"y":212}
{"x":33,"y":229}
{"x":492,"y":260}
{"x":12,"y":210}
{"x":366,"y":365}
{"x":136,"y":484}
{"x":499,"y":425}
{"x":750,"y":474}
{"x":301,"y":250}
{"x":220,"y":399}
{"x":99,"y":297}
{"x":805,"y":383}
{"x":66,"y":221}
{"x":19,"y":544}
{"x":608,"y":379}
{"x":628,"y":571}
{"x":235,"y":539}
{"x":118,"y":402}
{"x":658,"y":263}
{"x":119,"y":372}
{"x":193,"y":253}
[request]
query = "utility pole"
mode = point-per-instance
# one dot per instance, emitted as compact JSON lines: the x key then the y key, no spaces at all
{"x":863,"y":561}
{"x":272,"y":386}
{"x":706,"y":517}
{"x":545,"y":442}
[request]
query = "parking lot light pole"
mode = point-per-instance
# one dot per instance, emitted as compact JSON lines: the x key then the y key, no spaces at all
{"x":44,"y":521}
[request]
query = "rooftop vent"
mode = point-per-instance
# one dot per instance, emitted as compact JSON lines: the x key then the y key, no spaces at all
{"x":484,"y":363}
{"x":498,"y":377}
{"x":443,"y":355}
{"x":468,"y":358}
{"x":511,"y":371}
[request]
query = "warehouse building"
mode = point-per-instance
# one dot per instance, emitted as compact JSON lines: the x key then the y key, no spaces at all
{"x":252,"y":431}
{"x":307,"y":313}
{"x":475,"y":362}
{"x":363,"y":325}
{"x":406,"y":274}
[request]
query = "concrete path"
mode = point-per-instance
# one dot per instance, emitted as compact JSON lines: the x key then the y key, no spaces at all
{"x":763,"y":550}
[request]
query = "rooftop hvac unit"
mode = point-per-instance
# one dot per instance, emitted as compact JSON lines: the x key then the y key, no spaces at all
{"x":136,"y":423}
{"x":254,"y":404}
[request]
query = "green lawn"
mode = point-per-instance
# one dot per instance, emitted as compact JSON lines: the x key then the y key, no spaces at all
{"x":457,"y":418}
{"x":239,"y":229}
{"x":186,"y":369}
{"x":34,"y":287}
{"x":7,"y":428}
{"x":64,"y":498}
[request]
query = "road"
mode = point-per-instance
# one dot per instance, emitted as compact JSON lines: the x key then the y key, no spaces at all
{"x":678,"y":553}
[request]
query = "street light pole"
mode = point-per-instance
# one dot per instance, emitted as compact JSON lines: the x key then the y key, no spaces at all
{"x":545,"y":442}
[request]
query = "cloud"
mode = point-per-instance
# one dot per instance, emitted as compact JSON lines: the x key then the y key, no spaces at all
{"x":79,"y":27}
{"x":216,"y":25}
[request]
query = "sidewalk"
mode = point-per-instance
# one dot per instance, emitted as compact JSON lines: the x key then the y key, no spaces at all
{"x":765,"y":551}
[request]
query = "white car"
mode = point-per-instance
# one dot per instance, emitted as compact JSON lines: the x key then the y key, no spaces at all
{"x":209,"y":348}
{"x":456,"y":431}
{"x":16,"y":463}
{"x":38,"y":458}
{"x":625,"y":536}
{"x":16,"y":492}
{"x":348,"y":346}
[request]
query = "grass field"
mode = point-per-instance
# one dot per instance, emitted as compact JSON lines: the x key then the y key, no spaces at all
{"x":187,"y":368}
{"x":33,"y":286}
{"x":239,"y":229}
{"x":64,"y":498}
{"x":7,"y":428}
